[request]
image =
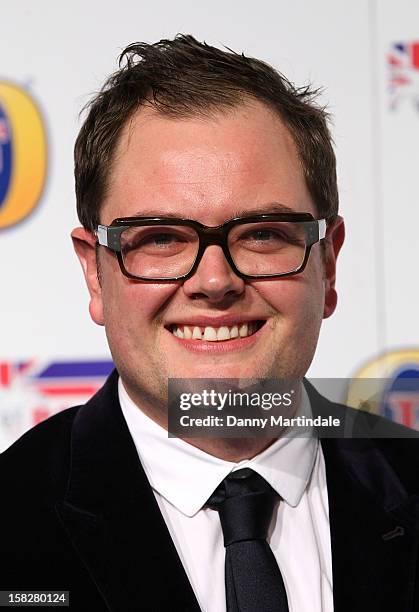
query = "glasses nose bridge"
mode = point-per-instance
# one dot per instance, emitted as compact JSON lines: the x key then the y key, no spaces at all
{"x":213,"y":235}
{"x":217,"y":236}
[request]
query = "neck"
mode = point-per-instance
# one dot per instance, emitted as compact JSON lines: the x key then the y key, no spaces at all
{"x":226,"y":448}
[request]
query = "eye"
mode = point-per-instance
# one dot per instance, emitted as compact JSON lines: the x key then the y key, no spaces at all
{"x":268,"y":237}
{"x":160,"y":240}
{"x":263,"y":235}
{"x":152,"y":239}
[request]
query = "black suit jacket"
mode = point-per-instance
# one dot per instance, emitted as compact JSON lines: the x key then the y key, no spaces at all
{"x":77,"y":513}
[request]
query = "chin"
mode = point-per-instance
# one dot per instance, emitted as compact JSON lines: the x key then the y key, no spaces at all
{"x":215,"y":372}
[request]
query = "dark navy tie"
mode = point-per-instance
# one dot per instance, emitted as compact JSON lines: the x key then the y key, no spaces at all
{"x":253,"y":580}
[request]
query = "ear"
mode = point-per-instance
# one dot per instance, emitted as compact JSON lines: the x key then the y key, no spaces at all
{"x":84,"y":243}
{"x":335,"y":236}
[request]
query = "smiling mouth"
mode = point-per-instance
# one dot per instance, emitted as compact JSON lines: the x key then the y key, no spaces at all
{"x":215,"y":334}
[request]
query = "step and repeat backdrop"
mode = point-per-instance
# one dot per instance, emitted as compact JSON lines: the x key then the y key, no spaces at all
{"x":53,"y":57}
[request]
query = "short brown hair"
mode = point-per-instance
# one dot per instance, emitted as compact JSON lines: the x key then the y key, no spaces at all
{"x":182,"y":78}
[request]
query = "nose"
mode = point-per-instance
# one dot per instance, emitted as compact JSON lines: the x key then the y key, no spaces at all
{"x":213,"y":280}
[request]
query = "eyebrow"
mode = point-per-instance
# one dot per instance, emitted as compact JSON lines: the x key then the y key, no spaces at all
{"x":273,"y":207}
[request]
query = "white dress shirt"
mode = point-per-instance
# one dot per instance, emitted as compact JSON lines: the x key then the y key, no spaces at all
{"x":183,"y":477}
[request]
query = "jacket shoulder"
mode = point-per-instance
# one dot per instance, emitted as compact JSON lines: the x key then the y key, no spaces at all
{"x":37,"y":464}
{"x":370,"y":436}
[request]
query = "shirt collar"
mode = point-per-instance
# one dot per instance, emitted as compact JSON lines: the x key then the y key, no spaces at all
{"x":186,"y":476}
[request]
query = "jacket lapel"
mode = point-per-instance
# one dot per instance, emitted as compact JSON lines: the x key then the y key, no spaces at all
{"x":374,"y":537}
{"x":112,"y":518}
{"x":374,"y":522}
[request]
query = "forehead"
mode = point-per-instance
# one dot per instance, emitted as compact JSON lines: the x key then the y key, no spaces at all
{"x":208,"y":169}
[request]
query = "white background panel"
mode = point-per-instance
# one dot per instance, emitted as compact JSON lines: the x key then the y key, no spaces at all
{"x":63,"y":52}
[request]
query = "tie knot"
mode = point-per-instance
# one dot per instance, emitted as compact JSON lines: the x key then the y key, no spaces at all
{"x":245,"y":503}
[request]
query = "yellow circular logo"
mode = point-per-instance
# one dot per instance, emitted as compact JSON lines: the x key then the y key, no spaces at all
{"x":23,"y":154}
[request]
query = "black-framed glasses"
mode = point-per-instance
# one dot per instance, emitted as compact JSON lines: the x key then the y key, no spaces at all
{"x":258,"y":246}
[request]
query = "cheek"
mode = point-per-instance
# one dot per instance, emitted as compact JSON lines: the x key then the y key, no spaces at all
{"x":297,"y":302}
{"x":293,"y":296}
{"x":134,"y":307}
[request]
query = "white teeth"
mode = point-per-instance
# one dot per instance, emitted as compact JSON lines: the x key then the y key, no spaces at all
{"x":243,"y":331}
{"x":196,"y":334}
{"x":210,"y":334}
{"x":223,"y":334}
{"x":234,"y":332}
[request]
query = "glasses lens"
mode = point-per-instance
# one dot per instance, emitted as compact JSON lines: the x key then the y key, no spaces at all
{"x":269,"y":247}
{"x":159,"y":251}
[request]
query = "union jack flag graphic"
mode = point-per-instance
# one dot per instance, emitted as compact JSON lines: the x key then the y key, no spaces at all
{"x":32,"y":391}
{"x":403,"y":71}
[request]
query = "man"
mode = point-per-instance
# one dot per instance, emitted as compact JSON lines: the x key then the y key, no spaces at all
{"x":186,"y":138}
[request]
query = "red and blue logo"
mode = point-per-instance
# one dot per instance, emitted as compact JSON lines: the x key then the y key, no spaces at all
{"x":400,"y":400}
{"x":23,"y":154}
{"x":389,"y":385}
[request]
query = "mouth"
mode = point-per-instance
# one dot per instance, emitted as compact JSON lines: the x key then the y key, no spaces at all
{"x":209,"y":333}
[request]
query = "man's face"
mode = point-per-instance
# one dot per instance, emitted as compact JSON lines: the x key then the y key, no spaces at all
{"x":211,"y":170}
